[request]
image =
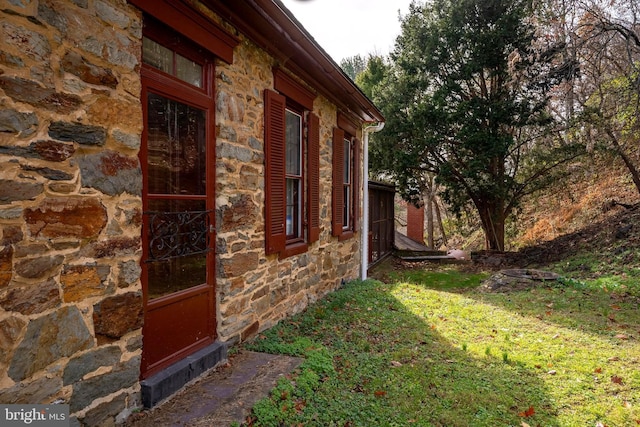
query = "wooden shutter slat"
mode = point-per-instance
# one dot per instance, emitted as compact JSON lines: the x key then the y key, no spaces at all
{"x":338,"y":177}
{"x":275,"y":196}
{"x":313,"y":150}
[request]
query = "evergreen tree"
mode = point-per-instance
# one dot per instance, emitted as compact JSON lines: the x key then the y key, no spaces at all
{"x":466,"y":98}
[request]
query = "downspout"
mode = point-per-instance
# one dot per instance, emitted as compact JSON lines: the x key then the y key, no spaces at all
{"x":364,"y":263}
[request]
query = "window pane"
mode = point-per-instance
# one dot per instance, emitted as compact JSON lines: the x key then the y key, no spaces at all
{"x":176,"y":147}
{"x":347,"y":207}
{"x":178,"y":233}
{"x":293,"y":207}
{"x":347,"y":161}
{"x":293,"y":140}
{"x":188,"y":71}
{"x":157,"y":55}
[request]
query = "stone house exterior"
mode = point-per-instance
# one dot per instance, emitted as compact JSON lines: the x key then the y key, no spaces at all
{"x":175,"y":177}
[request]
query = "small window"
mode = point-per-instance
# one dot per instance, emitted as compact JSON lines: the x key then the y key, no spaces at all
{"x":346,"y":184}
{"x":347,"y":187}
{"x":170,"y":62}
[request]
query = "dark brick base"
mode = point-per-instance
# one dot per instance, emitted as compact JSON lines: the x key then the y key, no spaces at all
{"x":163,"y":384}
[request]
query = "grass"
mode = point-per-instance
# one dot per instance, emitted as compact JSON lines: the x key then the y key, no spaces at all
{"x":429,"y":349}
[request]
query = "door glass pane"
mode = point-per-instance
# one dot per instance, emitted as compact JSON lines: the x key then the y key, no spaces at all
{"x":178,"y":244}
{"x":188,"y":71}
{"x":293,"y":142}
{"x":157,"y":56}
{"x":176,"y":144}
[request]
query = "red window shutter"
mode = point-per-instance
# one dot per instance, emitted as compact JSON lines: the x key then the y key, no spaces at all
{"x":275,"y":197}
{"x":313,"y":167}
{"x":338,"y":178}
{"x":356,"y":183}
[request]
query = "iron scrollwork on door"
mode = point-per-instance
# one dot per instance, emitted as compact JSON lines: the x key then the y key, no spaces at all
{"x":176,"y":234}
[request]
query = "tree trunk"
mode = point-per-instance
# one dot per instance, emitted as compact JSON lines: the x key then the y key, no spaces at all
{"x":635,"y":174}
{"x":436,"y":207}
{"x":429,"y":211}
{"x":493,"y":218}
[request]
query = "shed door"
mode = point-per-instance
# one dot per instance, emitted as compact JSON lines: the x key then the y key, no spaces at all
{"x":178,"y":201}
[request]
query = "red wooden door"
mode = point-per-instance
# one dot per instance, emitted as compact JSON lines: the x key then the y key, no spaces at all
{"x":178,"y":161}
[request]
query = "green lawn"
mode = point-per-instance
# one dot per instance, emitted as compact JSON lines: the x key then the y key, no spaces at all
{"x":429,"y":349}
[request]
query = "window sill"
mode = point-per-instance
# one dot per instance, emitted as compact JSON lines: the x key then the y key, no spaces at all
{"x":294,"y":249}
{"x":347,"y":234}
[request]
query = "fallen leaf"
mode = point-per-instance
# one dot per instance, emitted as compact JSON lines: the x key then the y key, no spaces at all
{"x":528,"y":413}
{"x":615,"y":307}
{"x":598,"y":370}
{"x":395,"y":363}
{"x":617,"y":380}
{"x":613,"y":359}
{"x":525,"y":424}
{"x":552,"y":372}
{"x":622,"y":337}
{"x":548,"y":313}
{"x":380,"y":393}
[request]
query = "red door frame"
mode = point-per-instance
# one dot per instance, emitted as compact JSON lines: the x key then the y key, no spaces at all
{"x":196,"y":304}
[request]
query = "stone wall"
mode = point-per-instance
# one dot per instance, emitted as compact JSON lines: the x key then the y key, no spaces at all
{"x":71,"y":211}
{"x":255,"y":291}
{"x":70,"y":206}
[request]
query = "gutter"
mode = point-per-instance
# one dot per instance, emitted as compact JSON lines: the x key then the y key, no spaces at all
{"x":364,"y":264}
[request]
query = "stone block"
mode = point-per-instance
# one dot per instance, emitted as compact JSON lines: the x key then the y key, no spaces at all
{"x":31,"y":299}
{"x":117,"y":246}
{"x":36,"y":268}
{"x":78,"y":65}
{"x":6,"y":265}
{"x":78,"y":133}
{"x":80,"y":282}
{"x":240,"y":212}
{"x":11,"y":234}
{"x":129,"y":273}
{"x":48,"y":173}
{"x":115,"y":316}
{"x":122,"y":376}
{"x":40,"y":391}
{"x":48,"y":339}
{"x":10,"y":330}
{"x":11,"y":190}
{"x":105,"y":412}
{"x":30,"y":92}
{"x":15,"y":122}
{"x":52,"y":151}
{"x":240,"y":263}
{"x":88,"y":362}
{"x":67,"y":217}
{"x":111,"y":172}
{"x":28,"y":42}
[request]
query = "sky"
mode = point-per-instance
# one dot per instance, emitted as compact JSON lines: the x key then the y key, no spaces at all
{"x":346,"y":28}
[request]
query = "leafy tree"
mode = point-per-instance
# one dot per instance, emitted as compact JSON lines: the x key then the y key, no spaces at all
{"x":608,"y":92}
{"x":353,"y":66}
{"x":373,"y":74}
{"x":467,"y":99}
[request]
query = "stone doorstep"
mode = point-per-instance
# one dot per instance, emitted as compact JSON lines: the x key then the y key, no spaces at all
{"x":220,"y":398}
{"x":166,"y":382}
